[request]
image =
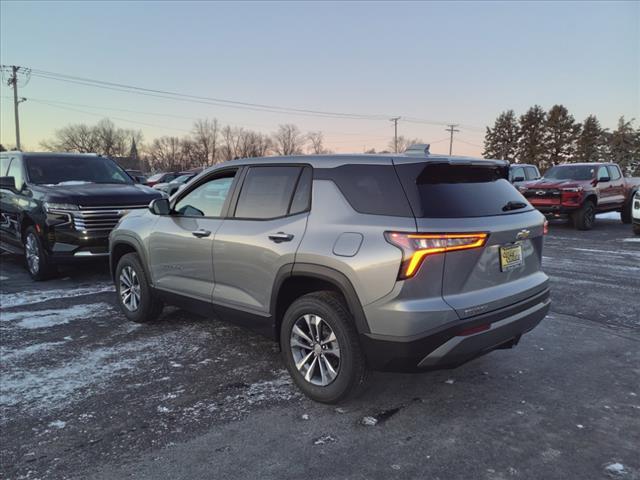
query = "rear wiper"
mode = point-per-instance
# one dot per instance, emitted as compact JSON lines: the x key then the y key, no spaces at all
{"x":513,"y":206}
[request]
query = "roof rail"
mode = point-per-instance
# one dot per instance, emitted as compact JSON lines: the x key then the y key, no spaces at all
{"x":418,"y":150}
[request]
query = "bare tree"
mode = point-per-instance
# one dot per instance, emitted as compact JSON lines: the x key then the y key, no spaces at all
{"x":165,"y":154}
{"x":316,"y":140}
{"x":206,"y":140}
{"x":403,"y":143}
{"x":288,"y":140}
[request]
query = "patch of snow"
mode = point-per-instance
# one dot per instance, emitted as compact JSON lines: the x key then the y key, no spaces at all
{"x":58,"y":424}
{"x":615,"y":468}
{"x":580,"y":426}
{"x":162,"y":409}
{"x":2,"y":279}
{"x":50,"y":318}
{"x":305,"y":416}
{"x":395,"y":467}
{"x":340,"y":410}
{"x":175,"y":364}
{"x":634,"y":240}
{"x":519,"y":412}
{"x":608,"y":216}
{"x":10,"y":355}
{"x":369,"y":421}
{"x":9,"y":300}
{"x":324,"y":439}
{"x":450,"y":381}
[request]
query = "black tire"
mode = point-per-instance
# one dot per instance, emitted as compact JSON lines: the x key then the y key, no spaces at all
{"x":585,"y":217}
{"x":636,"y":229}
{"x":149,"y":307}
{"x":625,"y":214}
{"x":39,"y":265}
{"x":351,"y":372}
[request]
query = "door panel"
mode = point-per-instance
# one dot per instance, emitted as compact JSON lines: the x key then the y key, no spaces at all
{"x":246,"y":260}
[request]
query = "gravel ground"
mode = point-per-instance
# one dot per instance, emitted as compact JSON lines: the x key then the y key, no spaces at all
{"x":86,"y":394}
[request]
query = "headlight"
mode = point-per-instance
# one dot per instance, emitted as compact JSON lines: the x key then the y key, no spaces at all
{"x":59,"y":207}
{"x":522,"y":189}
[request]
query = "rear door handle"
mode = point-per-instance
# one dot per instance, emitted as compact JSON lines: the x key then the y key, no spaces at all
{"x":281,"y":237}
{"x":201,"y":233}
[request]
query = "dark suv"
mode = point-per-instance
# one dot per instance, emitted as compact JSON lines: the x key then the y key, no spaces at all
{"x":60,"y":206}
{"x":393,"y":262}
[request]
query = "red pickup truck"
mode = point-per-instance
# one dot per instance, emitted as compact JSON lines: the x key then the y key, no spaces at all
{"x":580,"y":190}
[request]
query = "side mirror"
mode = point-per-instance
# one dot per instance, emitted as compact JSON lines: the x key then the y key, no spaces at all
{"x":604,"y":179}
{"x":518,"y":179}
{"x":8,"y":183}
{"x":160,"y":206}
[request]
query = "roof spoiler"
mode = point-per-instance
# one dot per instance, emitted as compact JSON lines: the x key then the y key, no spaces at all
{"x":418,"y":150}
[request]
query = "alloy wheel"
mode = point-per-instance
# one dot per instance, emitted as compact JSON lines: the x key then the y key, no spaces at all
{"x":32,"y":254}
{"x":315,"y":350}
{"x":129,"y":288}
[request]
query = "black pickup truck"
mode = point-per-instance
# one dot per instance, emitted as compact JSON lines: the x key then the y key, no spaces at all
{"x":57,"y":207}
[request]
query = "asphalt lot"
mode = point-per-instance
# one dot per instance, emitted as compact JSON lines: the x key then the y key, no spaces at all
{"x":86,"y":394}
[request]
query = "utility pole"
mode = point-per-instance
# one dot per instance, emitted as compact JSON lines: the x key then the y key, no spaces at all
{"x":451,"y":129}
{"x":395,"y":126}
{"x":13,"y":82}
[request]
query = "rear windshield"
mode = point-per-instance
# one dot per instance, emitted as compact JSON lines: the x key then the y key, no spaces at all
{"x":72,"y":170}
{"x":459,"y":191}
{"x":571,"y":172}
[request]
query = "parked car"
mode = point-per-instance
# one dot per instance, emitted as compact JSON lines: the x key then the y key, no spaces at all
{"x":176,"y":184}
{"x":163,"y":177}
{"x":59,"y":207}
{"x":342,"y":260}
{"x":636,"y":213}
{"x":523,"y":172}
{"x":581,"y":190}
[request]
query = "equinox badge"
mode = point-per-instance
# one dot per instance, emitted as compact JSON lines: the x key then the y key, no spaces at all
{"x":522,"y":234}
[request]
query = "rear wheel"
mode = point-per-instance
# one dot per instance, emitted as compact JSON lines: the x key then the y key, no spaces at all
{"x":625,"y":213}
{"x":636,"y":229}
{"x":585,"y":217}
{"x":320,"y":347}
{"x":35,"y":256}
{"x":135,"y":296}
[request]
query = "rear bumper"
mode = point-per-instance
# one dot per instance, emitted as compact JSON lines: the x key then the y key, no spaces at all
{"x":448,"y":347}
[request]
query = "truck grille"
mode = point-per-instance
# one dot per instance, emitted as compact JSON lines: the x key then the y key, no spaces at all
{"x":542,"y":193}
{"x":90,"y":219}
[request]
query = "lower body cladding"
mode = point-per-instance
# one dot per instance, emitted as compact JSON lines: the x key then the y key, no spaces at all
{"x":456,"y":342}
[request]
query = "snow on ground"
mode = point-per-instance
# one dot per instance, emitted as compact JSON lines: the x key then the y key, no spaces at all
{"x":608,"y":216}
{"x":51,"y":318}
{"x":9,"y":300}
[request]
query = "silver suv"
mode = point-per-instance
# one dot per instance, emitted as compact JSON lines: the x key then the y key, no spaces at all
{"x":406,"y":262}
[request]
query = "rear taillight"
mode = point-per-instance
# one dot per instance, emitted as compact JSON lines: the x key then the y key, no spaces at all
{"x":417,"y":246}
{"x":545,"y":228}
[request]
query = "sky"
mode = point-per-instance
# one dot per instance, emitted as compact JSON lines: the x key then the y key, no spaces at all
{"x":439,"y":62}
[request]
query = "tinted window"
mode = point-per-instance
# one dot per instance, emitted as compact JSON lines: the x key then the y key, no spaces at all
{"x":372,"y":189}
{"x":4,"y":166}
{"x":532,"y":173}
{"x":571,"y":172}
{"x":516,"y":172}
{"x":15,"y":171}
{"x":75,"y":169}
{"x":205,"y":200}
{"x":266,"y":192}
{"x":614,"y":172}
{"x":458,"y":191}
{"x":302,"y":198}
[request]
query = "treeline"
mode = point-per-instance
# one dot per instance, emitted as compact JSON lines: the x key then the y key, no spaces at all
{"x":548,"y":138}
{"x":208,"y":143}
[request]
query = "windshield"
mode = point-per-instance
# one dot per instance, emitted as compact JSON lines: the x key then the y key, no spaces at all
{"x":74,"y":170}
{"x":571,"y":172}
{"x":183,"y":178}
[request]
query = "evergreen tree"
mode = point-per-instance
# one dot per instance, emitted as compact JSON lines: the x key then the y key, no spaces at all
{"x":501,"y":141}
{"x":532,"y":138}
{"x":623,"y":144}
{"x":591,"y":141}
{"x":561,"y":135}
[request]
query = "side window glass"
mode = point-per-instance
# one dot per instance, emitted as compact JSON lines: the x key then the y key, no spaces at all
{"x":614,"y":172}
{"x":517,"y":172}
{"x":302,"y":198}
{"x":266,"y":192}
{"x":602,"y":172}
{"x":531,"y":173}
{"x":15,"y":171}
{"x":206,"y":200}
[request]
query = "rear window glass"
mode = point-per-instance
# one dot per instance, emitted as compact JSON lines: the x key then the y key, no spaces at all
{"x":371,"y":189}
{"x":459,"y":191}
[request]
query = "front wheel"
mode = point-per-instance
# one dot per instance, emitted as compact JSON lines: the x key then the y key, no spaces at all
{"x":636,"y":229}
{"x":35,"y":256}
{"x":320,"y":347}
{"x":585,"y":217}
{"x":135,"y":296}
{"x":625,"y":213}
